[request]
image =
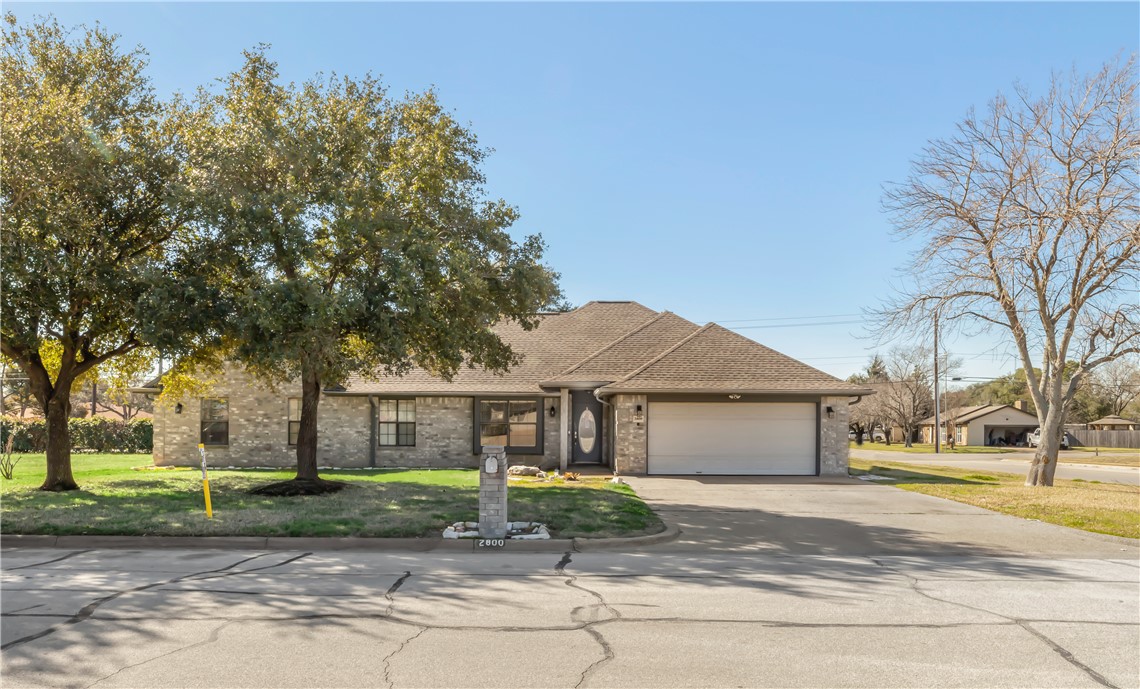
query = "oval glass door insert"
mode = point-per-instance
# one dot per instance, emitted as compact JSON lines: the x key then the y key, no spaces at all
{"x":586,"y":431}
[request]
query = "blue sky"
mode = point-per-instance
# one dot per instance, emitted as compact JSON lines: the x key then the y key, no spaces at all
{"x":722,"y":161}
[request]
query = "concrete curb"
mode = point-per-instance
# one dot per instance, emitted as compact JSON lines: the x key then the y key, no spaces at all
{"x":671,"y":532}
{"x":554,"y":545}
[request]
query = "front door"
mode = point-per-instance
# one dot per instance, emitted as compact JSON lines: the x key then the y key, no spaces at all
{"x":586,"y":427}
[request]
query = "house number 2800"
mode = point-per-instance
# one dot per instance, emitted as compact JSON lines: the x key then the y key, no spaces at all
{"x":491,"y":543}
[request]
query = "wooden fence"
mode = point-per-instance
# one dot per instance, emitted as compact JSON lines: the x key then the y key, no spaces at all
{"x":1087,"y":438}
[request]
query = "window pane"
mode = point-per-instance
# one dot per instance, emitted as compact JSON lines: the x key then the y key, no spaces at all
{"x":407,"y":410}
{"x":215,"y":409}
{"x":387,"y":434}
{"x":524,"y":411}
{"x":493,"y":434}
{"x":387,"y":410}
{"x":294,"y":408}
{"x":294,"y":431}
{"x":493,"y":412}
{"x":215,"y":432}
{"x":524,"y":435}
{"x":406,"y":435}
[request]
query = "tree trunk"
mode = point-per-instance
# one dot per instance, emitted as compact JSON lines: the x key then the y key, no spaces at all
{"x":307,"y":431}
{"x":57,"y":411}
{"x":1044,"y":465}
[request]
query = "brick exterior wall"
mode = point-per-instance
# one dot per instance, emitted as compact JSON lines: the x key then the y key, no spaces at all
{"x":258,"y":430}
{"x":630,"y":439}
{"x":833,"y":447}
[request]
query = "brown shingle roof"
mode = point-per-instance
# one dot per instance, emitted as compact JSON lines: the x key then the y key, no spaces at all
{"x":632,"y":350}
{"x":715,"y":359}
{"x":560,"y":339}
{"x":962,"y":415}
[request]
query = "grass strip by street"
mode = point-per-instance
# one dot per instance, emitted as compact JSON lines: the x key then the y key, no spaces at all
{"x":1124,"y":458}
{"x":116,"y":498}
{"x":1107,"y":508}
{"x":922,"y":448}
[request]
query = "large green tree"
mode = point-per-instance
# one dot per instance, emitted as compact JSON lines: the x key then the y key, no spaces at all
{"x":360,"y":236}
{"x":93,"y":261}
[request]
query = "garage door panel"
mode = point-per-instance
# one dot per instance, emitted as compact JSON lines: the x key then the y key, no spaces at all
{"x":732,"y":438}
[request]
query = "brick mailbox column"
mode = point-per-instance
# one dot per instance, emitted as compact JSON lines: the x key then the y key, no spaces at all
{"x":493,"y":492}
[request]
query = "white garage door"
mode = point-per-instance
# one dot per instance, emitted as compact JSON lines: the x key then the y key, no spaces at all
{"x":732,"y":438}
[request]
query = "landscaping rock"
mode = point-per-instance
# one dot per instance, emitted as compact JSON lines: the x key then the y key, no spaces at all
{"x":523,"y":470}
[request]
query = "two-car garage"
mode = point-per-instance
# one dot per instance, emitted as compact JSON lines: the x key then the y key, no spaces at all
{"x":733,"y":438}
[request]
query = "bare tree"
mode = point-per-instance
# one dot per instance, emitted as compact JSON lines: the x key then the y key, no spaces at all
{"x":1029,"y":221}
{"x":1116,"y":384}
{"x":908,"y":397}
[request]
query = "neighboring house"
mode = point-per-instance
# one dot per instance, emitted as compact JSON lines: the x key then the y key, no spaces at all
{"x":1114,"y":423}
{"x":610,"y":383}
{"x":987,"y":424}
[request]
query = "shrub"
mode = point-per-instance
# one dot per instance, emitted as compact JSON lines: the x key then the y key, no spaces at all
{"x":98,"y":434}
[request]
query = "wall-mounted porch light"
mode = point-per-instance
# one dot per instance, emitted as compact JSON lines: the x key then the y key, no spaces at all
{"x":178,"y":408}
{"x":831,"y":412}
{"x":638,"y":414}
{"x":553,"y":411}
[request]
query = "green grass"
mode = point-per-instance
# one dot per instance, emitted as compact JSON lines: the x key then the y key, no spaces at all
{"x":1108,"y":508}
{"x":922,"y":448}
{"x":117,"y":497}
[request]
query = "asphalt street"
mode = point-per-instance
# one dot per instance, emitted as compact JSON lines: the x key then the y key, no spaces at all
{"x":772,"y":583}
{"x":1070,"y":465}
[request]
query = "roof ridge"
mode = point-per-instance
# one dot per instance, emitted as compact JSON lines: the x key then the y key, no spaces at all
{"x":595,"y":355}
{"x":777,"y":352}
{"x":666,"y":353}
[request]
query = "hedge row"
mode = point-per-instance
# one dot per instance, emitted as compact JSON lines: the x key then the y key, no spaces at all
{"x":99,"y":434}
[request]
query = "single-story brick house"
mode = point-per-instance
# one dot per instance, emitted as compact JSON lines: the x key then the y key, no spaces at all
{"x":986,"y":424}
{"x":610,"y":383}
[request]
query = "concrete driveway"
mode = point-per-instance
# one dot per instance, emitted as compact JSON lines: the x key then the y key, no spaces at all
{"x":775,"y":583}
{"x":842,"y":517}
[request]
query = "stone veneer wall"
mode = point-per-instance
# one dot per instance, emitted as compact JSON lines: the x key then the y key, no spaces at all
{"x":630,"y":439}
{"x":258,"y":434}
{"x":833,"y":447}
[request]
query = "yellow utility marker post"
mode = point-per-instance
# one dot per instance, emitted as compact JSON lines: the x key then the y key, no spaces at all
{"x":205,"y":482}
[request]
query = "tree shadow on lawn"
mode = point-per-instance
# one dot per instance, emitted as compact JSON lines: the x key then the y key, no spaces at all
{"x":175,"y":506}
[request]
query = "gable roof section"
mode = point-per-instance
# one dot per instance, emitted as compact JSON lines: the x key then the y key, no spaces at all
{"x":629,"y":352}
{"x":715,"y":359}
{"x":559,"y":338}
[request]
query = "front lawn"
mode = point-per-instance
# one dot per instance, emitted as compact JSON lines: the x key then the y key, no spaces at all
{"x":115,"y":498}
{"x":922,"y":448}
{"x":1108,"y":508}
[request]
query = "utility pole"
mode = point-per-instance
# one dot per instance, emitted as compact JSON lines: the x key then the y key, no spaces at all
{"x":937,"y":404}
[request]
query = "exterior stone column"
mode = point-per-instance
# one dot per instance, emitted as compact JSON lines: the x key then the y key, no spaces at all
{"x":493,"y":492}
{"x":833,"y":446}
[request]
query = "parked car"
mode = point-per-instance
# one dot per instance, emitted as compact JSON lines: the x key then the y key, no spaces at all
{"x":1034,"y":439}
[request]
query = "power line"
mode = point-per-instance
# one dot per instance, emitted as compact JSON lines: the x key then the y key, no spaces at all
{"x":787,"y":318}
{"x":791,"y":325}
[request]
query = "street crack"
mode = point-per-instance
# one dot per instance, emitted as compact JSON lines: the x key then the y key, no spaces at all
{"x":388,"y":658}
{"x":41,"y":564}
{"x":89,"y":609}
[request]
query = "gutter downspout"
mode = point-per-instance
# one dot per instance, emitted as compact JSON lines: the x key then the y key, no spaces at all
{"x":372,"y":405}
